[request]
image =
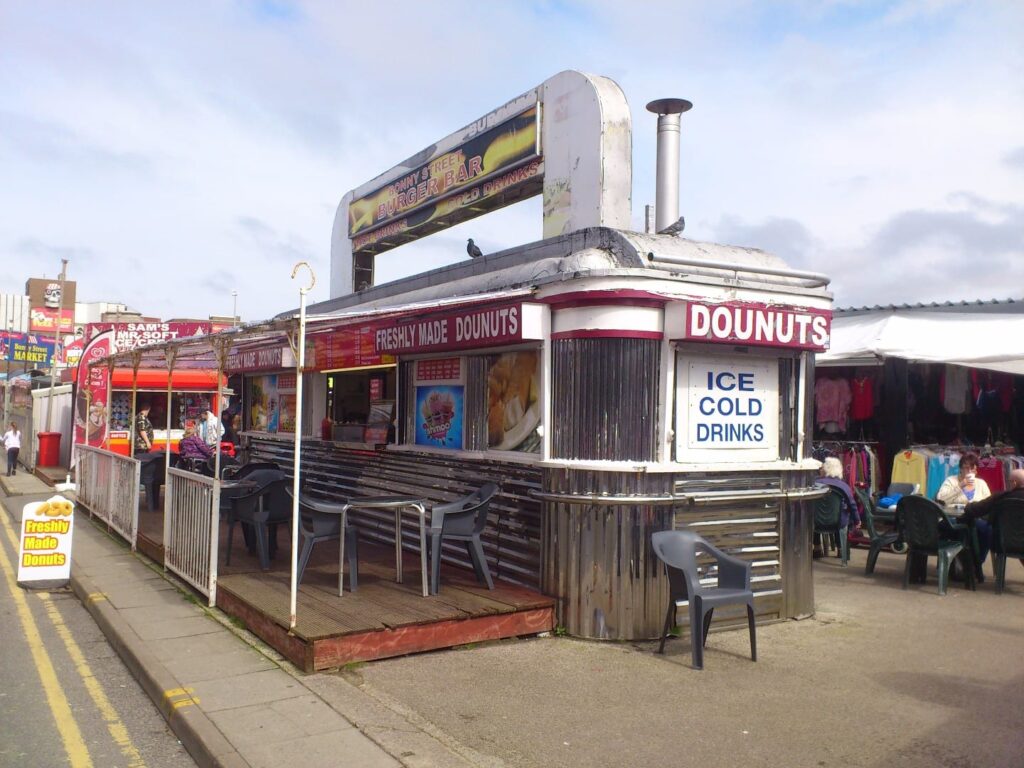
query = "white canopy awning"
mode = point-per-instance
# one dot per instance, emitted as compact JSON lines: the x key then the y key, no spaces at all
{"x":976,"y":340}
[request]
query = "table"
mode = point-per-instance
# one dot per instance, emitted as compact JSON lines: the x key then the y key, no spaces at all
{"x":396,"y":503}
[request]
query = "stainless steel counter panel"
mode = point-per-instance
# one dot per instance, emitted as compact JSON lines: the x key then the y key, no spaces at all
{"x":596,"y":555}
{"x":797,"y":535}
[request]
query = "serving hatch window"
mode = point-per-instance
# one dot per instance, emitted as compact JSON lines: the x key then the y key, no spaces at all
{"x":477,"y":402}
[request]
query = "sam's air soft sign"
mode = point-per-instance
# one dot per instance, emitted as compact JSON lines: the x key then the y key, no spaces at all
{"x":727,"y":405}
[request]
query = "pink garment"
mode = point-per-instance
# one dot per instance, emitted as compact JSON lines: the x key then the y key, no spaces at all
{"x":832,"y":401}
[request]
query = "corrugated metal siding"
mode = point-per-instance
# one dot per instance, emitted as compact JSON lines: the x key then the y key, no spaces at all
{"x":512,"y":537}
{"x":605,"y":399}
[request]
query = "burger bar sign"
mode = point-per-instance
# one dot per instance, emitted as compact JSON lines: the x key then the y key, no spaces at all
{"x":762,"y":325}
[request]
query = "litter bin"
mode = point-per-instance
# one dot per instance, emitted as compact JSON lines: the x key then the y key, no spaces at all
{"x":49,"y":449}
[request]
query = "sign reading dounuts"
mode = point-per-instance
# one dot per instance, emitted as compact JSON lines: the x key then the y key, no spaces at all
{"x":462,"y":329}
{"x":761,"y":325}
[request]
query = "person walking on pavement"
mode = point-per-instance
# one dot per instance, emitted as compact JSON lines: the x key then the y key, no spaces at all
{"x":143,"y":431}
{"x":12,"y":442}
{"x":209,"y":428}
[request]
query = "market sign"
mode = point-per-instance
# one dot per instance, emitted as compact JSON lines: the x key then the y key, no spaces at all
{"x":44,"y":557}
{"x":466,"y":328}
{"x":461,"y":177}
{"x":727,"y":409}
{"x":30,"y":349}
{"x":271,"y":359}
{"x":761,"y":325}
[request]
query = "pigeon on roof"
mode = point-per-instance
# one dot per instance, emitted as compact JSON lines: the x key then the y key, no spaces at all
{"x":472,"y":249}
{"x":674,"y":228}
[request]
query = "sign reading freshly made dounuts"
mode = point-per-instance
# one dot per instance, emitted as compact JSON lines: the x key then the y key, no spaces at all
{"x":44,"y":558}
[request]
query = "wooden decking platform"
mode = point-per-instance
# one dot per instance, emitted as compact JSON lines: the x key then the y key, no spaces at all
{"x":382,"y":618}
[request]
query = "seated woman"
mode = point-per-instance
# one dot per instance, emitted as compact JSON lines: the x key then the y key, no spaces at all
{"x":965,"y":488}
{"x":832,"y":476}
{"x":192,"y":446}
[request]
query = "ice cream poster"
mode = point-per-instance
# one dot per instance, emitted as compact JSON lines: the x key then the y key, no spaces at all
{"x":439,"y":411}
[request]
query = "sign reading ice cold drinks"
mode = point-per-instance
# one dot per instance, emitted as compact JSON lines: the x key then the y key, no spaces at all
{"x":725,"y":404}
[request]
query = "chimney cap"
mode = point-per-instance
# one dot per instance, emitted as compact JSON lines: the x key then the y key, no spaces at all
{"x":669,"y":106}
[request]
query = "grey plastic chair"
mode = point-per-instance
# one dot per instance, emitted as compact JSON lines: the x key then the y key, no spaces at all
{"x":461,"y":520}
{"x":927,"y":530}
{"x":1007,"y":518}
{"x":315,"y":526}
{"x":678,"y":550}
{"x":828,"y":517}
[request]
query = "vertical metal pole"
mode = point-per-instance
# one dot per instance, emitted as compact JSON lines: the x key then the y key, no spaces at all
{"x":136,"y":361}
{"x":300,"y":361}
{"x":666,"y":203}
{"x":56,"y":341}
{"x":170,"y":355}
{"x":801,"y":406}
{"x":110,"y":399}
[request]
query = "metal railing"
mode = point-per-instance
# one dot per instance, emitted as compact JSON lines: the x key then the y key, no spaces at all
{"x":191,"y":529}
{"x":108,"y":486}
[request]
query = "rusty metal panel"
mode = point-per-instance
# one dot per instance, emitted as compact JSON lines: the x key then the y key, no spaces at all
{"x":605,"y":399}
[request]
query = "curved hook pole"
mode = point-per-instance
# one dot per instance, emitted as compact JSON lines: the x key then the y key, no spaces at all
{"x":312,"y":276}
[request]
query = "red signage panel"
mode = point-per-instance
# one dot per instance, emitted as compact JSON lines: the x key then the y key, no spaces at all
{"x":762,"y":325}
{"x":468,"y":328}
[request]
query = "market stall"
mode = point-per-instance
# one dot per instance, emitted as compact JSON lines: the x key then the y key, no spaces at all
{"x":925,"y":379}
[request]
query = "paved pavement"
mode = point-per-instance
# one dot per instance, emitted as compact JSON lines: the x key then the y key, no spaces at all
{"x":879,"y":677}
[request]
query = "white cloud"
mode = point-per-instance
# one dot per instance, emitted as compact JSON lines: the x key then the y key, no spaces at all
{"x":178,"y":153}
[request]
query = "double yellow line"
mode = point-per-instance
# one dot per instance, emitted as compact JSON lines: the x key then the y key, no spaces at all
{"x":67,"y":726}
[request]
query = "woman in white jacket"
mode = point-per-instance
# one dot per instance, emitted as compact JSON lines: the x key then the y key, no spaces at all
{"x":966,"y":486}
{"x":12,"y":442}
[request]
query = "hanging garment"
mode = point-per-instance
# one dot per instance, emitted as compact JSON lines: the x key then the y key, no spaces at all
{"x":957,"y":391}
{"x":991,"y":471}
{"x":831,"y":401}
{"x":910,"y":467}
{"x":862,"y":405}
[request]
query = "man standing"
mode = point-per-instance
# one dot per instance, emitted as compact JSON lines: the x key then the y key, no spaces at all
{"x":143,"y":431}
{"x":209,"y":428}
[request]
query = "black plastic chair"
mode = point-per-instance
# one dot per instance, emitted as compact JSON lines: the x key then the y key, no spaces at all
{"x":678,"y":550}
{"x":1007,"y":518}
{"x":241,"y":471}
{"x":878,"y":540}
{"x":927,"y":530}
{"x":461,"y":520}
{"x":152,"y":476}
{"x":828,"y":518}
{"x":262,"y":509}
{"x":317,"y":525}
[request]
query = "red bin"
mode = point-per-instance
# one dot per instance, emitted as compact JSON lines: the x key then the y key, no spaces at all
{"x":49,"y":449}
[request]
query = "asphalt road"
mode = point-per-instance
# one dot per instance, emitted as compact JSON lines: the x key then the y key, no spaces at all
{"x":65,"y":697}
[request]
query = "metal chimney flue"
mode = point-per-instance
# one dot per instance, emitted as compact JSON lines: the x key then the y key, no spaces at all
{"x":667,"y":200}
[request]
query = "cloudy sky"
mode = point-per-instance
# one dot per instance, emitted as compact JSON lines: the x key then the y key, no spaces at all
{"x":176,"y":152}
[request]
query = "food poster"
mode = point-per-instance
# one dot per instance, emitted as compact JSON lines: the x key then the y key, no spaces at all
{"x":92,"y":392}
{"x":513,"y":402}
{"x":44,"y":557}
{"x":286,"y":403}
{"x":263,"y":415}
{"x":439,"y":415}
